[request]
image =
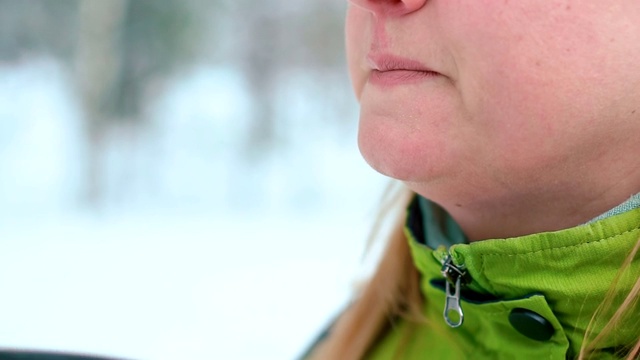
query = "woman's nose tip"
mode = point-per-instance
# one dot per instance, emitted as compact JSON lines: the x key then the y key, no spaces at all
{"x":391,"y":7}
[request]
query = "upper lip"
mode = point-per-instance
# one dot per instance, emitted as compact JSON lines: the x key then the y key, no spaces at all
{"x":389,"y":62}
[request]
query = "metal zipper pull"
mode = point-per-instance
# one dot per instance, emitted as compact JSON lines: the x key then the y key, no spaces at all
{"x":454,"y":275}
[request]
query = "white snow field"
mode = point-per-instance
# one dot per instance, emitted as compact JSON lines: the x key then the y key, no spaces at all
{"x":193,"y":254}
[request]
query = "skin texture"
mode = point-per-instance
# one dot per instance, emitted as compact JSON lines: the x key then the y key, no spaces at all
{"x":531,"y":121}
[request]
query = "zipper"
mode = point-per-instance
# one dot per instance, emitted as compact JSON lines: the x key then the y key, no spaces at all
{"x":456,"y":278}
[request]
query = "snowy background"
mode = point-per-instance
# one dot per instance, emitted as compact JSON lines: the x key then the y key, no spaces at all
{"x":195,"y":250}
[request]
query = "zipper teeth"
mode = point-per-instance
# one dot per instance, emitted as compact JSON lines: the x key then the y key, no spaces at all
{"x":459,"y":271}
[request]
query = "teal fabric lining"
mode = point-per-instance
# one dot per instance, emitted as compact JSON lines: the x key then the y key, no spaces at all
{"x":631,"y":204}
{"x":437,"y":233}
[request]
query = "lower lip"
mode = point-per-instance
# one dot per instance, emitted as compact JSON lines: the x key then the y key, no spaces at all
{"x":399,"y":77}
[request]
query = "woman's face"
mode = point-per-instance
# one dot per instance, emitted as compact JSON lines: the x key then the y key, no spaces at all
{"x":493,"y":93}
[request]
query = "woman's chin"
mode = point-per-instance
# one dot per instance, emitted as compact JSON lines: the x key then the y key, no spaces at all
{"x":401,"y":154}
{"x":399,"y":165}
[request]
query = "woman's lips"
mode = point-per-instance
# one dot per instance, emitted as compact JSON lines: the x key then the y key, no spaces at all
{"x":391,"y":70}
{"x":399,"y":77}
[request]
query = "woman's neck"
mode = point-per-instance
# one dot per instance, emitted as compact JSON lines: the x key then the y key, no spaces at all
{"x":505,"y":213}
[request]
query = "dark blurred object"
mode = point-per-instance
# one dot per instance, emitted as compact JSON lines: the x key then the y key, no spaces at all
{"x":45,"y":355}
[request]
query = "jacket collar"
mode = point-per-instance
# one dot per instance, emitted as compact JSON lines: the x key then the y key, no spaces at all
{"x":574,"y":269}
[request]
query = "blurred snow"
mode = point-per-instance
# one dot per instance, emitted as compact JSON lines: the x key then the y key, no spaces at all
{"x":196,"y":254}
{"x":39,"y":138}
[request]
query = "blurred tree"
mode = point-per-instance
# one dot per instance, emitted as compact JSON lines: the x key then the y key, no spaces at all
{"x":123,"y":50}
{"x":98,"y":65}
{"x":274,"y":40}
{"x":35,"y":27}
{"x":261,"y":65}
{"x":125,"y":47}
{"x":157,"y":37}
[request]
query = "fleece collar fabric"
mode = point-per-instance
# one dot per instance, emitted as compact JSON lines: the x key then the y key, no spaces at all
{"x":563,"y":276}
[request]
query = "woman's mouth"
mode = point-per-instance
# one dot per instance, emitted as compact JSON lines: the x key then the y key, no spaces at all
{"x":391,"y":70}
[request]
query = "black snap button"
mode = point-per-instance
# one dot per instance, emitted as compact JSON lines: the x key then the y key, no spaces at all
{"x":531,"y":324}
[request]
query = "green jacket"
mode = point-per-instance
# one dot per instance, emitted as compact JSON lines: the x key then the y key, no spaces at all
{"x":530,"y":297}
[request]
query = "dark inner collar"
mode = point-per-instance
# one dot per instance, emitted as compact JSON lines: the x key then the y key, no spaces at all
{"x":432,"y":225}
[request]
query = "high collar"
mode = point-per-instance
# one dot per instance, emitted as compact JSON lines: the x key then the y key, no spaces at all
{"x":574,"y":269}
